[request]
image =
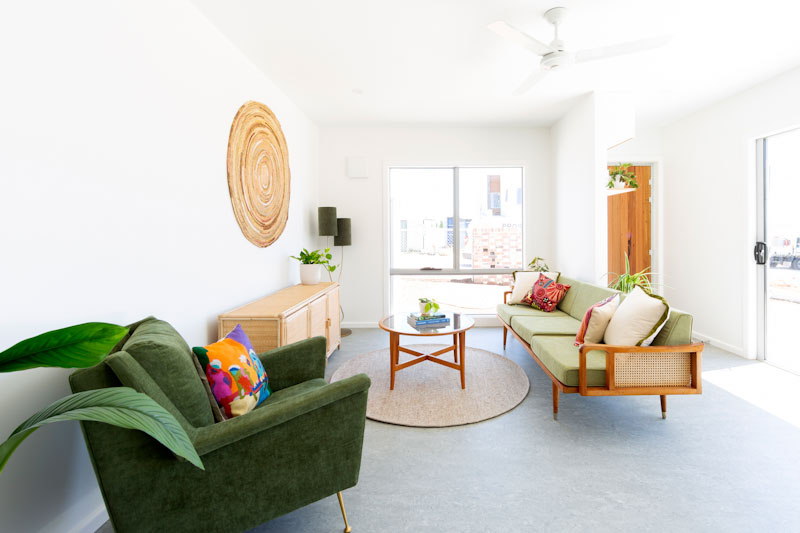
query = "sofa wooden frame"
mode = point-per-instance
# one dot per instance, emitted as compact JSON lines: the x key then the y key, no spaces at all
{"x":611,"y":388}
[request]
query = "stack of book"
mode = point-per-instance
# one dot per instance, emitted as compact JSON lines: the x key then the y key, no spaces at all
{"x":419,"y":320}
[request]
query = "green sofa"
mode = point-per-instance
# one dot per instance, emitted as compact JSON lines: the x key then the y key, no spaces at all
{"x":671,"y":365}
{"x":303,"y":443}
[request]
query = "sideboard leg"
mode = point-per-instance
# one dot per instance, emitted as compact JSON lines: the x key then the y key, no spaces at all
{"x":664,"y":406}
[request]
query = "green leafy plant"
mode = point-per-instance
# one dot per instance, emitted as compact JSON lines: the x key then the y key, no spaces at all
{"x":538,"y":265}
{"x":626,"y":281}
{"x":622,"y":173}
{"x":82,"y":346}
{"x":316,"y":257}
{"x":431,"y":307}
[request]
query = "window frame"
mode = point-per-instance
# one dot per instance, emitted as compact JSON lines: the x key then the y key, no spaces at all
{"x":455,"y":270}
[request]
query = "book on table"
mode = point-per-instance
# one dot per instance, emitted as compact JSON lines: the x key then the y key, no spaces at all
{"x":437,"y":321}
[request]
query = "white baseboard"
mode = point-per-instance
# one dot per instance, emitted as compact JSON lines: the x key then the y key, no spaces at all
{"x":92,"y":521}
{"x":360,"y":325}
{"x":724,"y":345}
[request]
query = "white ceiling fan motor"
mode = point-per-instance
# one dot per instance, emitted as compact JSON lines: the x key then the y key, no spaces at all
{"x":555,"y":55}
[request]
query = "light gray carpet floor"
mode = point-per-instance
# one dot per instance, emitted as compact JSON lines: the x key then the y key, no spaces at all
{"x":717,"y":463}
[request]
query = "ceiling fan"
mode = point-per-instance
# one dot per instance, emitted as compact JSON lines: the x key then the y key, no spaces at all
{"x":555,"y":55}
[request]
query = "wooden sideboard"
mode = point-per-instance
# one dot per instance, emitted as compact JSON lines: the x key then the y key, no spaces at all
{"x":288,"y":316}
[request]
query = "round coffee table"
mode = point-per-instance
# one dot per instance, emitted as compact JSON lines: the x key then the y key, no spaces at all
{"x":398,"y":325}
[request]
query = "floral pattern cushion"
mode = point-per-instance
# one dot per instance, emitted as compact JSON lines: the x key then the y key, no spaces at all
{"x":235,"y":373}
{"x":545,"y":294}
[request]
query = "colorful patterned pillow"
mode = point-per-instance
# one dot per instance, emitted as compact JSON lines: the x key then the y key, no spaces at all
{"x":545,"y":294}
{"x":235,"y":373}
{"x":523,"y":281}
{"x":596,"y":320}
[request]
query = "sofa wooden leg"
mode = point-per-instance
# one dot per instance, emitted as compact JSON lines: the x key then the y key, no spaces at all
{"x":347,"y":528}
{"x":505,"y":336}
{"x":555,"y":402}
{"x":663,"y":406}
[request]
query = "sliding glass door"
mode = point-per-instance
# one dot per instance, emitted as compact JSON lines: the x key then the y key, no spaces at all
{"x":456,"y":235}
{"x":780,"y":249}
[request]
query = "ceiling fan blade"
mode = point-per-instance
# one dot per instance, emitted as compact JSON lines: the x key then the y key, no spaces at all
{"x":632,"y":47}
{"x":535,"y":77}
{"x":520,"y":38}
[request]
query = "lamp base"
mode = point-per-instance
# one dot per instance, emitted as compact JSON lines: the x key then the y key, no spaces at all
{"x":346,"y":332}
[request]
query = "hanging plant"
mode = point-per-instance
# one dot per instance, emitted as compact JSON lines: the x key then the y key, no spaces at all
{"x":622,"y":176}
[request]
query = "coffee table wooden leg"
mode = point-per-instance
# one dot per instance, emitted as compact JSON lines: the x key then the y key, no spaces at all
{"x":455,"y":347}
{"x":394,"y":340}
{"x":461,"y":341}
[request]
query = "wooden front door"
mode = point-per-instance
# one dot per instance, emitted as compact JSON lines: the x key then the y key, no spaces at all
{"x":629,"y":226}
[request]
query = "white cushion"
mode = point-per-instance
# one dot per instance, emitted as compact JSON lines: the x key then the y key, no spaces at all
{"x":596,"y":320}
{"x":524,"y":281}
{"x":637,"y":320}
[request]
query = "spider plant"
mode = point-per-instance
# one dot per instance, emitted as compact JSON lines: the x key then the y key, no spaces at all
{"x":626,"y":281}
{"x":83,"y":346}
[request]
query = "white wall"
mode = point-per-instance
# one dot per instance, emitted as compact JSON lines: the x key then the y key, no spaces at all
{"x":365,"y":268}
{"x":645,"y":146}
{"x":114,"y":205}
{"x":575,"y":175}
{"x":709,"y":208}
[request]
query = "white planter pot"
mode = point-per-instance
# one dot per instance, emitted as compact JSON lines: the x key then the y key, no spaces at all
{"x":619,"y":184}
{"x":309,"y":274}
{"x":421,"y":308}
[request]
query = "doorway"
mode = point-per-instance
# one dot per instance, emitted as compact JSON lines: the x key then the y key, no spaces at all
{"x":629,"y":225}
{"x":778,"y":252}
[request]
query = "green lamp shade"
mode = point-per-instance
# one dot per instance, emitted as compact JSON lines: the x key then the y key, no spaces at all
{"x":343,"y":235}
{"x":327,"y":221}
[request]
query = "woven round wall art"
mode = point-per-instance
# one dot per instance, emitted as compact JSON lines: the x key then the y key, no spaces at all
{"x":258,"y":174}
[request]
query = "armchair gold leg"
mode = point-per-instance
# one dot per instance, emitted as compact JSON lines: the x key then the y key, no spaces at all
{"x":347,"y":528}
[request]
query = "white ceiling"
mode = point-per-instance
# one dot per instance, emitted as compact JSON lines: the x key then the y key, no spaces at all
{"x":433,"y":61}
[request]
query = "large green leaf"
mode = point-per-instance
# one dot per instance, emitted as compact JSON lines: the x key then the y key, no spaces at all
{"x":119,"y":406}
{"x":78,"y":346}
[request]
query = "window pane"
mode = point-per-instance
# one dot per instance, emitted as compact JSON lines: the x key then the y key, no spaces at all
{"x":474,"y":295}
{"x":490,"y":209}
{"x":421,"y":204}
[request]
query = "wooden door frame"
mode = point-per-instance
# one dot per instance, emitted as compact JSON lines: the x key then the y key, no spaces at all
{"x":656,"y":165}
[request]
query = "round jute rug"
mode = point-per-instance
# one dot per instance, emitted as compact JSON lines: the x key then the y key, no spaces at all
{"x":430,"y":395}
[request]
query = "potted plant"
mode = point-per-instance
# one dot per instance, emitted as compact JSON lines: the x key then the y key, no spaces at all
{"x":538,"y":265}
{"x":626,"y":281}
{"x":621,"y":176}
{"x":311,"y":263}
{"x":83,"y":346}
{"x":428,"y":306}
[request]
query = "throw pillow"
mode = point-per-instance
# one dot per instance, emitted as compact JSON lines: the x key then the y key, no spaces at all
{"x":637,"y":320}
{"x":545,"y":294}
{"x":523,"y":283}
{"x":596,"y":320}
{"x":235,"y":373}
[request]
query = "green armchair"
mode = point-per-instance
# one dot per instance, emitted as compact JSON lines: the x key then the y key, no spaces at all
{"x":300,"y":445}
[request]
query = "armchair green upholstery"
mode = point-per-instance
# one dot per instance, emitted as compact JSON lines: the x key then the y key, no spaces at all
{"x":302,"y":444}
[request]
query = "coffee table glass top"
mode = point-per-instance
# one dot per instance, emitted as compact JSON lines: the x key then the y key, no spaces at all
{"x":398,"y":323}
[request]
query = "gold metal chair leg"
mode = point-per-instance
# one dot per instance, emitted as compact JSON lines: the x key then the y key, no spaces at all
{"x":347,"y":528}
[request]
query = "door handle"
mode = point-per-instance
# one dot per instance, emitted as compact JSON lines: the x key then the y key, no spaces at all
{"x":760,"y":253}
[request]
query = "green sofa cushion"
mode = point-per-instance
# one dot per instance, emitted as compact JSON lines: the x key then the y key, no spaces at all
{"x":587,"y":296}
{"x":528,"y":326}
{"x":677,"y":330}
{"x":166,"y":357}
{"x":560,"y":355}
{"x":568,"y":300}
{"x":508,"y":311}
{"x":293,"y":391}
